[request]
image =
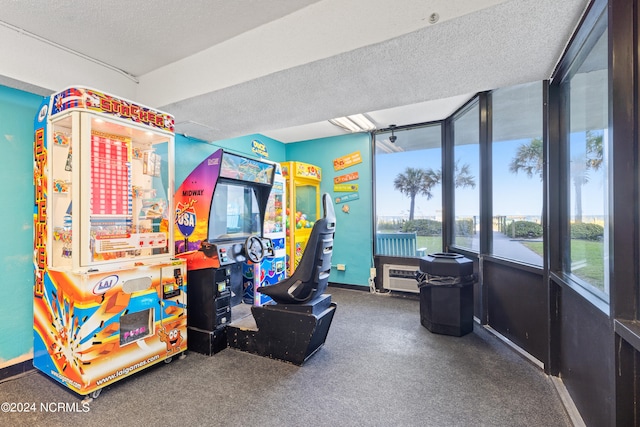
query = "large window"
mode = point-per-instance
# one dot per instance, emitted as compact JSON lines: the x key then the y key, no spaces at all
{"x":466,"y":134}
{"x":517,"y":167}
{"x":409,"y":191}
{"x":585,"y":95}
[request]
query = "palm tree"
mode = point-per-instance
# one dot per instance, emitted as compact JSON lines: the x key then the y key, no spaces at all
{"x":528,"y":159}
{"x":433,"y":177}
{"x":413,"y":182}
{"x":590,"y":160}
{"x":595,"y":155}
{"x":463,"y":177}
{"x":579,"y":168}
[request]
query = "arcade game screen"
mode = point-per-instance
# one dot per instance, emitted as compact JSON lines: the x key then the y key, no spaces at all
{"x":235,"y":213}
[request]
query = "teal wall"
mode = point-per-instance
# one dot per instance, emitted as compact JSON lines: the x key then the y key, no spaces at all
{"x":352,"y":245}
{"x":17,"y":111}
{"x":353,"y":242}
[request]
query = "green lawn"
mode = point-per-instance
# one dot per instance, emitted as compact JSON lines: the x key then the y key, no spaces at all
{"x":432,"y":243}
{"x":587,"y":257}
{"x":464,"y":241}
{"x":534,"y":246}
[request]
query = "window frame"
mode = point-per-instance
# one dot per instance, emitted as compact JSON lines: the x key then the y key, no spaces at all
{"x":559,"y":254}
{"x":449,"y":174}
{"x":542,"y":87}
{"x":441,"y":125}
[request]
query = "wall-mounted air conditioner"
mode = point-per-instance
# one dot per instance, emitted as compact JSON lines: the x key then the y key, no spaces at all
{"x":399,"y":278}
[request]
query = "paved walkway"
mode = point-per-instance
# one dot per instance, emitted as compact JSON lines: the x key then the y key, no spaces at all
{"x":506,"y":247}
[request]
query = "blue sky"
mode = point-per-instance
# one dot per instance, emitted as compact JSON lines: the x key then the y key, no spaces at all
{"x":513,"y":194}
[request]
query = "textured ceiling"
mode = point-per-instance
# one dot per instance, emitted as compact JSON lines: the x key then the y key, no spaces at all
{"x":283,"y":67}
{"x":140,"y":36}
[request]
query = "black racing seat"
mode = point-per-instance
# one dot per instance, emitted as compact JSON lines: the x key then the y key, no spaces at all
{"x":311,"y":277}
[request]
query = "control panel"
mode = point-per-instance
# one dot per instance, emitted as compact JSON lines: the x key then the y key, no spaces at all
{"x":230,"y":253}
{"x":235,"y":252}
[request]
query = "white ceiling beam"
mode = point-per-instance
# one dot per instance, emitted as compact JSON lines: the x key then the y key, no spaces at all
{"x":316,"y":32}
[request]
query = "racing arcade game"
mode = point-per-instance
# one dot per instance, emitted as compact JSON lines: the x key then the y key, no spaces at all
{"x":220,"y":210}
{"x":296,"y":324}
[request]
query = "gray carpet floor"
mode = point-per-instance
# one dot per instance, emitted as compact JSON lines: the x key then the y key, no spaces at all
{"x":378,"y":367}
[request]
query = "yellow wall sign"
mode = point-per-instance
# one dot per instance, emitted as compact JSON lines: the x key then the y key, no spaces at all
{"x":259,"y":148}
{"x":345,"y":187}
{"x":347,"y":161}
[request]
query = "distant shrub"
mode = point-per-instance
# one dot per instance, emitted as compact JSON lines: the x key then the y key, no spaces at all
{"x":464,"y":227}
{"x":423,"y":227}
{"x":588,"y":231}
{"x":393,"y":225}
{"x":524,"y":229}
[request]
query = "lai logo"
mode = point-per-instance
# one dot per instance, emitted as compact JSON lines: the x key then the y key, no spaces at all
{"x":105,"y":284}
{"x":43,"y":113}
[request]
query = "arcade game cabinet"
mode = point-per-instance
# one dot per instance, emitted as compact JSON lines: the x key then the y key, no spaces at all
{"x":109,"y":296}
{"x":303,"y":207}
{"x":295,"y":325}
{"x":220,"y":210}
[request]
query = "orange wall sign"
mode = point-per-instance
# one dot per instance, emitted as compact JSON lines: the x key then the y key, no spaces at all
{"x":346,"y":178}
{"x":347,"y":161}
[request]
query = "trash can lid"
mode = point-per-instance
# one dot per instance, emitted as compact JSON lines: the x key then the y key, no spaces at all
{"x":445,"y":255}
{"x":446,"y":264}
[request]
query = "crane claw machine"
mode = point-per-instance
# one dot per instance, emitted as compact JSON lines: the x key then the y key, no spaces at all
{"x":109,"y":295}
{"x":302,"y":209}
{"x":272,"y":269}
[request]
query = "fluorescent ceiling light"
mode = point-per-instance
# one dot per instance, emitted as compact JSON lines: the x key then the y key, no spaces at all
{"x":355,"y":123}
{"x":363,"y":122}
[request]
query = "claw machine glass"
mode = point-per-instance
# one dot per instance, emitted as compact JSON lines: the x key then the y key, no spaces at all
{"x":109,"y":296}
{"x":303,"y":207}
{"x":272,"y":268}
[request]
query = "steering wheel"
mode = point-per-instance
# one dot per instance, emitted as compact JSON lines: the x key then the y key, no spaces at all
{"x":254,"y":248}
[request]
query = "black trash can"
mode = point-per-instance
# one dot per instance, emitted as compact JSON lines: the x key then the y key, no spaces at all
{"x":446,"y":293}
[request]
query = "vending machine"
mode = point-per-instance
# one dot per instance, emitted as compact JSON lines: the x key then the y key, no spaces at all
{"x":303,"y":207}
{"x":272,"y":268}
{"x":109,"y":295}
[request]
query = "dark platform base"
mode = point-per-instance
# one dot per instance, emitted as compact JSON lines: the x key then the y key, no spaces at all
{"x":447,"y":310}
{"x":289,"y":332}
{"x":207,"y":342}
